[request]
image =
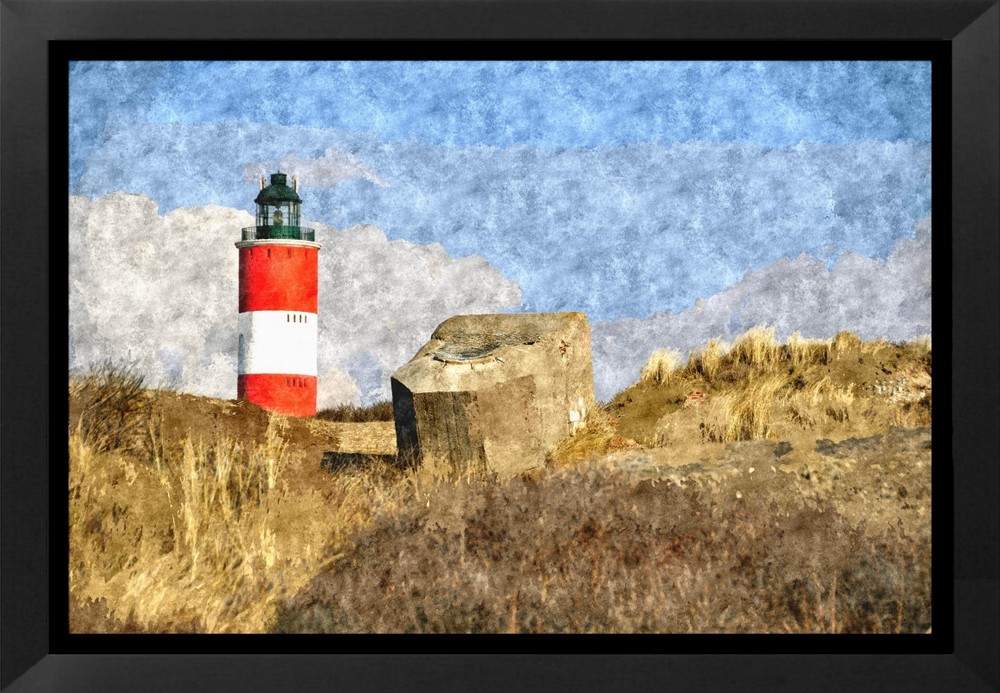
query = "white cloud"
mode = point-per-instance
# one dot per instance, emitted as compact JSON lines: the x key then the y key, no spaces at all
{"x":874,"y":298}
{"x":380,"y":300}
{"x":161,"y":290}
{"x":612,"y":230}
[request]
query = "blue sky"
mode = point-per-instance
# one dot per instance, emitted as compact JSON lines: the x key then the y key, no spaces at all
{"x":622,"y":189}
{"x":639,"y":186}
{"x":557,"y":104}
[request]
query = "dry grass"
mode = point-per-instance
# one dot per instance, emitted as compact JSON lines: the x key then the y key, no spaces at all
{"x":379,"y":411}
{"x":586,"y":549}
{"x":188,"y":547}
{"x":708,"y":360}
{"x":922,"y":345}
{"x":112,"y":405}
{"x":748,"y":410}
{"x":203,"y":533}
{"x":759,"y":388}
{"x":598,"y":437}
{"x":660,"y":365}
{"x":193,"y":535}
{"x":804,"y":352}
{"x":756,"y":348}
{"x":210,"y":542}
{"x":819,"y":401}
{"x":845,"y":342}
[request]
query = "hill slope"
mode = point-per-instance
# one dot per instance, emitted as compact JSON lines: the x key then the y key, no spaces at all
{"x":758,"y":487}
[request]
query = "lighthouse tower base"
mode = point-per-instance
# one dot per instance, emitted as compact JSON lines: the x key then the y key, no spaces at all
{"x":291,"y":395}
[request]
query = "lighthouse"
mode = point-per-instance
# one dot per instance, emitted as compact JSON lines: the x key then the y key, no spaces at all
{"x":279,"y":268}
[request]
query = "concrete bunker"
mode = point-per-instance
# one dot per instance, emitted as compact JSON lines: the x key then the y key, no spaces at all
{"x":494,"y":393}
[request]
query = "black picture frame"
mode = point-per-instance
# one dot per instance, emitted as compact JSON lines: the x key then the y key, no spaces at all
{"x":31,"y":390}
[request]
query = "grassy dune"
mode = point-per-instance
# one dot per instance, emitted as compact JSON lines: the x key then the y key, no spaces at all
{"x":757,"y":487}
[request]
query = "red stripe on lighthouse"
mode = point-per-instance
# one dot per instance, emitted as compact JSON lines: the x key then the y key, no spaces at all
{"x":279,"y":277}
{"x":288,"y":394}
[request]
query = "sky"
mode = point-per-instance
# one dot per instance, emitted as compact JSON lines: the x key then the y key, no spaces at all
{"x":670,"y":201}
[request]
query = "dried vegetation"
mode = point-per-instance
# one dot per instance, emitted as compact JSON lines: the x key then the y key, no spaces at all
{"x":757,"y":487}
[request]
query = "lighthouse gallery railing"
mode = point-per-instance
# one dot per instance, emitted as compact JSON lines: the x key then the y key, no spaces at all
{"x":261,"y":233}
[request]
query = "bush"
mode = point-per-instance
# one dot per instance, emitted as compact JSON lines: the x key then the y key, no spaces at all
{"x":114,"y":408}
{"x":588,"y":550}
{"x":380,"y":411}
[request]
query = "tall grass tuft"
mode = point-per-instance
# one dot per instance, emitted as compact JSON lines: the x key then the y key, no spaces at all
{"x":211,"y":539}
{"x":351,"y":413}
{"x":114,"y":405}
{"x":660,"y":365}
{"x":708,"y":360}
{"x":845,"y":342}
{"x":803,"y":352}
{"x":749,"y":410}
{"x":592,"y":440}
{"x":224,"y":488}
{"x":756,"y":348}
{"x":922,"y":344}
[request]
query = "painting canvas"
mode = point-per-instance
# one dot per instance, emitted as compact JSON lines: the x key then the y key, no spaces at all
{"x":500,"y":347}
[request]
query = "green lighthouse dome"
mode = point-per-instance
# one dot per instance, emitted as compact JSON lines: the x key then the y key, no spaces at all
{"x":279,"y":209}
{"x":277,"y":192}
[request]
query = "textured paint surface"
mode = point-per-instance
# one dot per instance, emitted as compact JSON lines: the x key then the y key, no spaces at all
{"x":278,"y":277}
{"x":671,"y":202}
{"x":285,"y":393}
{"x":277,"y":341}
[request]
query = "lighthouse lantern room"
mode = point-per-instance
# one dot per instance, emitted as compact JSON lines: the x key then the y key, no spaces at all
{"x":278,"y":304}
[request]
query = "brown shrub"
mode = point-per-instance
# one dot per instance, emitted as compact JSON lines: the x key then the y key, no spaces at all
{"x":380,"y":411}
{"x":589,"y":550}
{"x":112,"y":406}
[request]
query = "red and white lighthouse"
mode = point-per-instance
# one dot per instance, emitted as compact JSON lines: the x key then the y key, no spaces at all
{"x":279,"y":268}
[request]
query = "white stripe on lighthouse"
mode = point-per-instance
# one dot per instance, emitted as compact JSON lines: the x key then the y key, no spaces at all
{"x":277,"y":341}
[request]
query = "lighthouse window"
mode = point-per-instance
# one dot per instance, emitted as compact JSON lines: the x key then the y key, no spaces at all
{"x":269,"y":252}
{"x":288,"y":317}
